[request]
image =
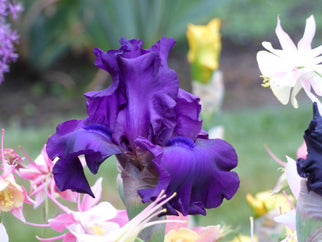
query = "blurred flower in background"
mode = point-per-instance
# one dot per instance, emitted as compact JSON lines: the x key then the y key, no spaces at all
{"x":8,"y":37}
{"x":204,"y":52}
{"x":204,"y":49}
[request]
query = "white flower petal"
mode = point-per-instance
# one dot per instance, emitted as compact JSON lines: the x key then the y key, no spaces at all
{"x":295,"y":91}
{"x":293,"y":179}
{"x":101,"y":212}
{"x":282,"y":93}
{"x":316,"y":83}
{"x":316,"y":51}
{"x":305,"y":43}
{"x":288,"y":218}
{"x":268,"y":46}
{"x":284,"y":39}
{"x":269,"y":64}
{"x":3,"y":233}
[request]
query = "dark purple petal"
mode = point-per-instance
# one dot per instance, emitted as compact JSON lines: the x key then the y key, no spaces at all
{"x":69,"y":174}
{"x":311,"y":167}
{"x":188,"y":110}
{"x":74,"y":138}
{"x":199,"y":174}
{"x":141,"y":101}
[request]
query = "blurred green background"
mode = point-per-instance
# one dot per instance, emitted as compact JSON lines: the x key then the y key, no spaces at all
{"x":55,"y":68}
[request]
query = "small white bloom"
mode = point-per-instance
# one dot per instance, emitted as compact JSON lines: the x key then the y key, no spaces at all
{"x":293,"y":67}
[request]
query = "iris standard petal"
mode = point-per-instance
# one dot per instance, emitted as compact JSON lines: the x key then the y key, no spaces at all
{"x":140,"y":75}
{"x":199,"y":174}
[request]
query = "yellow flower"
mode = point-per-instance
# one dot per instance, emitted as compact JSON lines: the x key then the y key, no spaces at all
{"x":205,"y":46}
{"x":181,"y":235}
{"x":264,"y":202}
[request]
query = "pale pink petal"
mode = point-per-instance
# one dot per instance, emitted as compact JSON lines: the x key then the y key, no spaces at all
{"x":288,"y":218}
{"x":62,"y":221}
{"x":302,"y":151}
{"x":309,"y":32}
{"x":88,"y":202}
{"x":18,"y":213}
{"x":209,"y":233}
{"x":67,"y":195}
{"x":293,"y":179}
{"x":121,"y":218}
{"x":69,"y":237}
{"x":285,"y":40}
{"x":3,"y":233}
{"x":28,"y":173}
{"x":39,"y":198}
{"x":49,"y":163}
{"x":102,"y":212}
{"x":176,"y":226}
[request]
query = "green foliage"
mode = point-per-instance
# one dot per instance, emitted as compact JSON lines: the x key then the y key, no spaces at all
{"x":250,"y":20}
{"x":50,"y":29}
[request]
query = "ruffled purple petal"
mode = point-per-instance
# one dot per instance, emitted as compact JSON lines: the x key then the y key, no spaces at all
{"x":200,"y":174}
{"x":144,"y":92}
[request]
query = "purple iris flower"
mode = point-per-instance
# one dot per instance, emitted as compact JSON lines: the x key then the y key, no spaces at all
{"x":153,"y":128}
{"x":311,"y":167}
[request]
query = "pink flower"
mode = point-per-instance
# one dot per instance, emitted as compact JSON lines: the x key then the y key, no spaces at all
{"x":293,"y":67}
{"x":302,"y":151}
{"x":12,"y":195}
{"x":90,"y":219}
{"x":13,"y":158}
{"x":181,"y":232}
{"x":39,"y":172}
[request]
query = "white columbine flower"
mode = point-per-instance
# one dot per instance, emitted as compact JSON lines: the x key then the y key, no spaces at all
{"x":293,"y":67}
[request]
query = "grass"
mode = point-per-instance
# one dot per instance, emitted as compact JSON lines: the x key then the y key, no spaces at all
{"x":280,"y":128}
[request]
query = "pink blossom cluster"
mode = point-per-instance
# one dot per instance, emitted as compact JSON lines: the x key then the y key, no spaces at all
{"x":8,"y":37}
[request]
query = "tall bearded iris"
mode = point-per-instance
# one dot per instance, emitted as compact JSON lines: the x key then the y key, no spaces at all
{"x":153,"y":128}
